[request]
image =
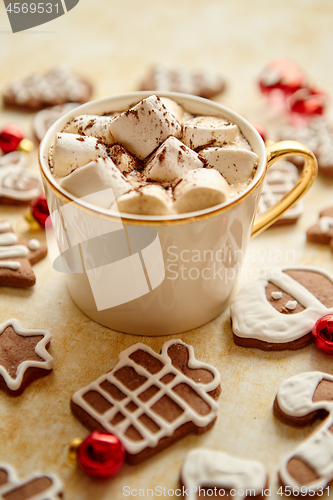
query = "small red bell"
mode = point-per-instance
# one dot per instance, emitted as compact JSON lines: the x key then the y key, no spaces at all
{"x":308,"y":102}
{"x":323,"y":333}
{"x":281,"y":74}
{"x":10,"y":138}
{"x":100,"y":455}
{"x":40,"y":210}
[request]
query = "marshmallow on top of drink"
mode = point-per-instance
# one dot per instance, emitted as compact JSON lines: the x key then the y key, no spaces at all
{"x":152,"y":159}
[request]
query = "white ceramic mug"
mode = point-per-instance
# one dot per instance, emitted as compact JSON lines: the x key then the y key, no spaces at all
{"x":167,"y":274}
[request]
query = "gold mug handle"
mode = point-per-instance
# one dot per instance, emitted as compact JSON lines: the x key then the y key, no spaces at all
{"x":276,"y":152}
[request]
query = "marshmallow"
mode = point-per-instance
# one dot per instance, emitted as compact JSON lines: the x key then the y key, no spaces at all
{"x":148,"y":200}
{"x":174,"y":108}
{"x":199,"y":189}
{"x":144,"y":127}
{"x":94,"y":179}
{"x":171,"y":160}
{"x":92,"y":125}
{"x":208,"y":130}
{"x":236,"y":165}
{"x":71,"y":151}
{"x":123,"y":159}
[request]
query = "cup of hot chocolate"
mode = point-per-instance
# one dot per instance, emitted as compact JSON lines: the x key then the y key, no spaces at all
{"x":153,"y":201}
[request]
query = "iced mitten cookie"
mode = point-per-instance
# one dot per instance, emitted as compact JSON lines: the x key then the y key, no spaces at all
{"x":221,"y":475}
{"x":151,"y":400}
{"x":299,"y":401}
{"x":278,"y":310}
{"x":17,"y":256}
{"x":279,"y":180}
{"x":322,"y":231}
{"x":23,"y":356}
{"x":36,"y":487}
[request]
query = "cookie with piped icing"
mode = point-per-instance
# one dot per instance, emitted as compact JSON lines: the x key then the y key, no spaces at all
{"x":33,"y":487}
{"x":17,"y":185}
{"x":322,"y":231}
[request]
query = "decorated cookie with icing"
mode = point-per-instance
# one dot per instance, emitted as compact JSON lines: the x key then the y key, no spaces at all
{"x":34,"y":487}
{"x":278,"y":310}
{"x":197,"y":82}
{"x":300,"y":400}
{"x":23,"y":356}
{"x":322,"y":231}
{"x":17,"y":186}
{"x":317,"y":134}
{"x":17,"y":256}
{"x":150,"y":400}
{"x":46,"y":117}
{"x":41,"y":90}
{"x":207,"y":472}
{"x":279,"y":180}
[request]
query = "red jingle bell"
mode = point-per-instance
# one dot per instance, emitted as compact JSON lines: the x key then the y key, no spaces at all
{"x":10,"y":138}
{"x":323,"y":333}
{"x":100,"y":455}
{"x":40,"y":210}
{"x":281,"y":74}
{"x":308,"y":102}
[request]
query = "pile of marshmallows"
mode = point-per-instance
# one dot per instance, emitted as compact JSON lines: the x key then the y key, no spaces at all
{"x":153,"y":159}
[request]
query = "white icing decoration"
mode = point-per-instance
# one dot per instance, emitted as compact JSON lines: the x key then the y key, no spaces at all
{"x":13,"y":251}
{"x":132,"y":418}
{"x":51,"y":493}
{"x":8,"y":249}
{"x":291,"y":305}
{"x":10,"y":264}
{"x":47,"y":362}
{"x":207,"y":468}
{"x":14,"y":182}
{"x":325,"y":224}
{"x":254,"y":317}
{"x":14,"y":160}
{"x":276,"y":295}
{"x":294,"y":398}
{"x":4,"y":227}
{"x":33,"y":244}
{"x":8,"y":239}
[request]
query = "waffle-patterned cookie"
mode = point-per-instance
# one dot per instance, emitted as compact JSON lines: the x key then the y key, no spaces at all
{"x":151,"y":400}
{"x":322,"y":231}
{"x":36,"y":487}
{"x":279,"y":180}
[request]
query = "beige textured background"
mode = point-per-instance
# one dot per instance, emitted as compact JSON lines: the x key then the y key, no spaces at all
{"x":113,"y":43}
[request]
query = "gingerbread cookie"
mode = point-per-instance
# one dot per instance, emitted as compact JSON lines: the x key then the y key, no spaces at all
{"x":300,"y":400}
{"x":318,"y":136}
{"x":206,"y":472}
{"x":39,"y":91}
{"x":36,"y":487}
{"x":17,"y":187}
{"x":23,"y":356}
{"x":151,"y":400}
{"x":17,"y":256}
{"x":278,"y":310}
{"x":322,"y":231}
{"x":46,"y":117}
{"x":279,"y":180}
{"x":202,"y":83}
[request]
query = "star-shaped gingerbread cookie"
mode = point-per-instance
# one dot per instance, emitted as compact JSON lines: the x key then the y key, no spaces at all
{"x":17,"y":256}
{"x":23,"y":356}
{"x":322,"y":231}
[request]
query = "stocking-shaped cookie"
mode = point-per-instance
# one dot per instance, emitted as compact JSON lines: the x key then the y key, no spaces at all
{"x":299,"y":401}
{"x":207,"y":471}
{"x":35,"y":487}
{"x":278,"y":310}
{"x":150,"y":400}
{"x":322,"y":231}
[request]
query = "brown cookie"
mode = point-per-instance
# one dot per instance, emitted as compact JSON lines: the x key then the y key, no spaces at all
{"x":279,"y":180}
{"x":151,"y":400}
{"x":39,"y":91}
{"x":23,"y":356}
{"x":214,"y":474}
{"x":46,"y":117}
{"x":278,"y":310}
{"x":17,"y":256}
{"x":17,"y":186}
{"x":202,"y":83}
{"x":34,"y":487}
{"x":322,"y":231}
{"x":299,"y":401}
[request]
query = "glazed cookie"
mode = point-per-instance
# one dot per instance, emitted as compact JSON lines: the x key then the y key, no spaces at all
{"x":17,"y":256}
{"x":46,"y":117}
{"x":318,"y":136}
{"x":278,"y":310}
{"x":36,"y":487}
{"x":23,"y":356}
{"x":17,"y":186}
{"x":279,"y":180}
{"x":39,"y":91}
{"x":322,"y":231}
{"x":202,"y":83}
{"x":299,"y":401}
{"x":151,"y":400}
{"x":206,"y":472}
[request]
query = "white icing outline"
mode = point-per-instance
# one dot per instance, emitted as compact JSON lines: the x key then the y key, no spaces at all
{"x":131,"y":418}
{"x":13,"y":160}
{"x":15,"y":194}
{"x":47,"y":364}
{"x":51,"y":493}
{"x":254,"y":317}
{"x":208,"y":468}
{"x":325,"y":224}
{"x":294,"y":397}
